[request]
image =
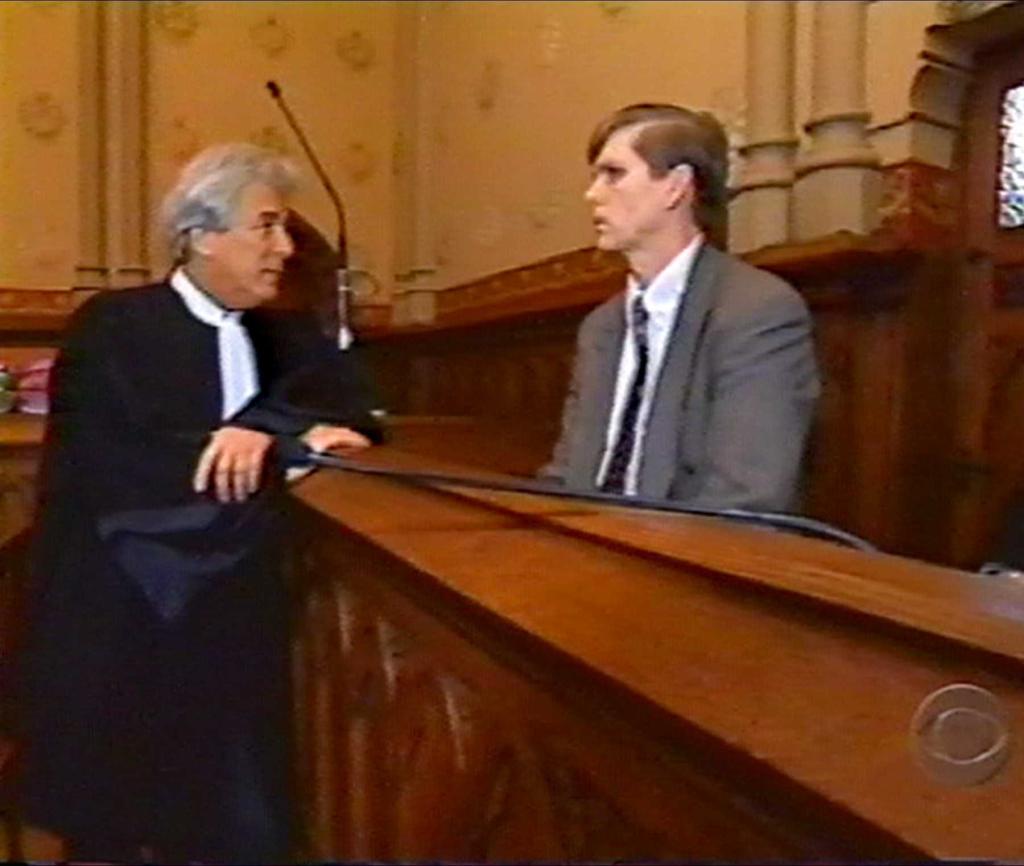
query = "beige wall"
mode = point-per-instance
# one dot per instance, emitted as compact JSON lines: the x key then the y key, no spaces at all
{"x":335,"y":63}
{"x":519,"y":86}
{"x":196,"y":71}
{"x":454,"y":130}
{"x":38,"y":144}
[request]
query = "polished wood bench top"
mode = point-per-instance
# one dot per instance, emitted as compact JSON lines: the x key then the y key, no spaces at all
{"x":805,"y":657}
{"x":18,"y":430}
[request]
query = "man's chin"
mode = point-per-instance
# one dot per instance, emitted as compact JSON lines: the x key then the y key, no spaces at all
{"x":259,"y":294}
{"x":269,"y":288}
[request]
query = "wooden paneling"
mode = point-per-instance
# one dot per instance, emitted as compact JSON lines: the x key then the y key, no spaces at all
{"x":877,"y":306}
{"x":21,"y":437}
{"x":495,"y":676}
{"x":918,"y":333}
{"x":988,"y":337}
{"x":912,"y":445}
{"x":29,"y":316}
{"x":506,"y":677}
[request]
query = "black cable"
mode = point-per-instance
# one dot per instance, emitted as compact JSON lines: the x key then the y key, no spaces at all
{"x":778,"y":520}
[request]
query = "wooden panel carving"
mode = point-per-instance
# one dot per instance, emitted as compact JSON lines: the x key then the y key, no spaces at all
{"x":414,"y":740}
{"x":31,"y":316}
{"x":987,"y":340}
{"x":531,"y":681}
{"x":863,"y":467}
{"x":20,"y":440}
{"x":919,"y":205}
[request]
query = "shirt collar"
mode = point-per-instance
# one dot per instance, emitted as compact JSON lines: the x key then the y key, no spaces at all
{"x":665,"y":290}
{"x":200,"y":304}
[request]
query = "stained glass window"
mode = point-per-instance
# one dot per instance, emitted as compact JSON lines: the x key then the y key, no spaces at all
{"x":1011,"y":167}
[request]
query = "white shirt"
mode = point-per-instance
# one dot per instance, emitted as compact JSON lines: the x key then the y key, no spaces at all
{"x":661,"y":299}
{"x":239,"y":381}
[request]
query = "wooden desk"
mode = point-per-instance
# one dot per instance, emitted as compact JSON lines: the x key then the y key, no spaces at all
{"x":485,"y":676}
{"x":509,"y":677}
{"x":20,"y":439}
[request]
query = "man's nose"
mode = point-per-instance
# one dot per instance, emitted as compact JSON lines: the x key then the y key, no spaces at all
{"x":592,"y":192}
{"x":284,"y":246}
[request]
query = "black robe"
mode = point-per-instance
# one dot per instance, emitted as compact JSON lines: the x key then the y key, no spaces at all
{"x":156,"y":688}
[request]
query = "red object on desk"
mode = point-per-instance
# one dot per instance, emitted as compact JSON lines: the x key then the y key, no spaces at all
{"x":34,"y":387}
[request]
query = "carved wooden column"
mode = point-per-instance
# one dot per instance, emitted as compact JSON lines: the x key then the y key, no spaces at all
{"x":761,"y":211}
{"x":123,"y":57}
{"x":838,"y":182}
{"x":416,"y":266}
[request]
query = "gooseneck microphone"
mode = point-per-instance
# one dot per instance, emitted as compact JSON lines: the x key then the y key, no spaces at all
{"x":345,"y":335}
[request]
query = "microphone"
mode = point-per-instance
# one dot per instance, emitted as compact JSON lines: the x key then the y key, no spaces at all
{"x":345,"y":335}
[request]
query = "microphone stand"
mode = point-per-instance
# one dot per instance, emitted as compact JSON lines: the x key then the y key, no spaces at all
{"x":345,"y":334}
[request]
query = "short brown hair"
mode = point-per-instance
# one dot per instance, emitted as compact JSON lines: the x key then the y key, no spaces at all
{"x":673,"y":136}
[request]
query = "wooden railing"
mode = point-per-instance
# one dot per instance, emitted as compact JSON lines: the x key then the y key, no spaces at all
{"x":495,"y":676}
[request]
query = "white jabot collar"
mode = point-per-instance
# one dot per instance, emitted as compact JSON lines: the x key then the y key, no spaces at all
{"x":238,"y":375}
{"x":200,"y":304}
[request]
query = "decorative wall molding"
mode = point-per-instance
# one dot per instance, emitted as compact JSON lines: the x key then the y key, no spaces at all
{"x":359,"y":161}
{"x":571,"y":280}
{"x":271,"y":137}
{"x":544,"y":213}
{"x":613,"y":9}
{"x":550,"y":42}
{"x":175,"y":19}
{"x":918,"y":207}
{"x":356,"y":50}
{"x":837,"y":185}
{"x":488,"y":226}
{"x":489,"y":86}
{"x":181,"y":141}
{"x":40,"y":312}
{"x":124,"y":163}
{"x":42,"y":116}
{"x":91,"y":120}
{"x":918,"y":214}
{"x":39,"y":300}
{"x":956,"y":11}
{"x":270,"y":36}
{"x":373,"y":316}
{"x":766,"y":142}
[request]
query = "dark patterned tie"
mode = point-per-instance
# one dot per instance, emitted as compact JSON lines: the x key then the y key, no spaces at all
{"x":615,"y":477}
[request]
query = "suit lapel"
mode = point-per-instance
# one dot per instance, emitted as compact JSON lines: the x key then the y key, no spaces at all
{"x":660,"y":455}
{"x":600,"y":383}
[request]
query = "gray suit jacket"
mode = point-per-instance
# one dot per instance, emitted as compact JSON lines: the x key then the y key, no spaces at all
{"x":733,"y":403}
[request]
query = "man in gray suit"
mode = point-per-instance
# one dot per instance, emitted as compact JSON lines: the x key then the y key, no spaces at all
{"x":697,"y":383}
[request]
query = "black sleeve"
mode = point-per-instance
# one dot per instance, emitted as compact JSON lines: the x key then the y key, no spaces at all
{"x":100,"y":444}
{"x":307,"y":380}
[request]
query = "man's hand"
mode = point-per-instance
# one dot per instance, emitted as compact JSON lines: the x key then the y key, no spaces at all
{"x":232,"y":463}
{"x":325,"y":437}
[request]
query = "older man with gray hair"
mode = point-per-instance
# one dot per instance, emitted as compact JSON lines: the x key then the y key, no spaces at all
{"x":156,"y":672}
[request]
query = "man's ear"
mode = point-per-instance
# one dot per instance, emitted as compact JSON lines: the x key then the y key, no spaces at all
{"x":199,"y":241}
{"x":681,"y":188}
